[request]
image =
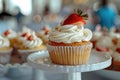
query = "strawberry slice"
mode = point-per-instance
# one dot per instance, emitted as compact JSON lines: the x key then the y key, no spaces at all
{"x":102,"y":49}
{"x":7,"y":32}
{"x":24,"y":35}
{"x":30,"y":38}
{"x":107,"y":49}
{"x":118,"y":50}
{"x":46,"y":32}
{"x":74,"y":18}
{"x":98,"y":49}
{"x":45,"y":29}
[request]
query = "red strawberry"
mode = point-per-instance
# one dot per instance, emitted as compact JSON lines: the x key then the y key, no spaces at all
{"x":98,"y":49}
{"x":6,"y":32}
{"x":45,"y":28}
{"x":73,"y":18}
{"x":107,"y":49}
{"x":30,"y":38}
{"x":24,"y":35}
{"x":118,"y":50}
{"x":46,"y":32}
{"x":102,"y":49}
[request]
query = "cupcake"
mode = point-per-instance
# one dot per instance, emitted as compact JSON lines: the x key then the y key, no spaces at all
{"x":5,"y":50}
{"x":105,"y":45}
{"x":22,"y":36}
{"x":69,"y":43}
{"x":116,"y":59}
{"x":29,"y":43}
{"x":96,"y":36}
{"x":105,"y":41}
{"x":44,"y":34}
{"x":11,"y":35}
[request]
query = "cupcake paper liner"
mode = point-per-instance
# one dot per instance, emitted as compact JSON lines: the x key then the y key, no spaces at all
{"x":25,"y":53}
{"x":5,"y":56}
{"x":69,"y":55}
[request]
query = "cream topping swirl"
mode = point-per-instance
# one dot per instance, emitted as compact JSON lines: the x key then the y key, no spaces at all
{"x":26,"y":30}
{"x":4,"y":42}
{"x":12,"y":34}
{"x":70,"y":33}
{"x":32,"y":43}
{"x":105,"y":41}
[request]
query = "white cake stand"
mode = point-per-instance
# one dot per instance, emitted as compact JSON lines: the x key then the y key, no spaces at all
{"x":40,"y":60}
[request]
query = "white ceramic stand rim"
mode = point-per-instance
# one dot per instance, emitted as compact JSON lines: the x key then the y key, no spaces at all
{"x":73,"y":72}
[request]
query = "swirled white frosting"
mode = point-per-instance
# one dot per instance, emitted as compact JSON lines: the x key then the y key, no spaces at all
{"x":4,"y":42}
{"x":105,"y":41}
{"x":69,"y":34}
{"x":116,"y":56}
{"x":114,"y":35}
{"x":31,"y":43}
{"x":34,"y":43}
{"x":25,"y":30}
{"x":12,"y":34}
{"x":42,"y":33}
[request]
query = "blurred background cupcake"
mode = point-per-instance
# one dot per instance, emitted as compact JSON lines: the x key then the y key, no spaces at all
{"x":44,"y":33}
{"x":5,"y":50}
{"x":11,"y":35}
{"x":28,"y":43}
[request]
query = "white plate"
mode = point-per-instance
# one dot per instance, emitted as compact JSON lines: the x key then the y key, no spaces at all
{"x":40,"y":60}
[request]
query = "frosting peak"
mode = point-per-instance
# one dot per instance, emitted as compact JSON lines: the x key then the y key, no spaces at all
{"x":4,"y":42}
{"x":31,"y":40}
{"x":70,"y":33}
{"x":10,"y":34}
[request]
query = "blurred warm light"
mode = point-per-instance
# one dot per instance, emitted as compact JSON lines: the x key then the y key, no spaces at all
{"x":37,"y":18}
{"x":66,"y":1}
{"x":24,"y":5}
{"x":79,"y":1}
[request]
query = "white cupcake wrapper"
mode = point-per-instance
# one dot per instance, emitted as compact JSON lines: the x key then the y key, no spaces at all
{"x":5,"y":56}
{"x":70,"y":55}
{"x":25,"y":53}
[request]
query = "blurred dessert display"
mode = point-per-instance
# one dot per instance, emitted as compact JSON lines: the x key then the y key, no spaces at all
{"x":11,"y":35}
{"x":5,"y":50}
{"x":28,"y":43}
{"x":108,"y":42}
{"x":16,"y":46}
{"x":44,"y":33}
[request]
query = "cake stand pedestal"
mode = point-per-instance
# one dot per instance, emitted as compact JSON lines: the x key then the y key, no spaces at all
{"x":40,"y":60}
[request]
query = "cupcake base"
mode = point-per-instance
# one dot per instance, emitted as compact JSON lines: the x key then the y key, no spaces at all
{"x":70,"y":55}
{"x":25,"y":52}
{"x":5,"y":55}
